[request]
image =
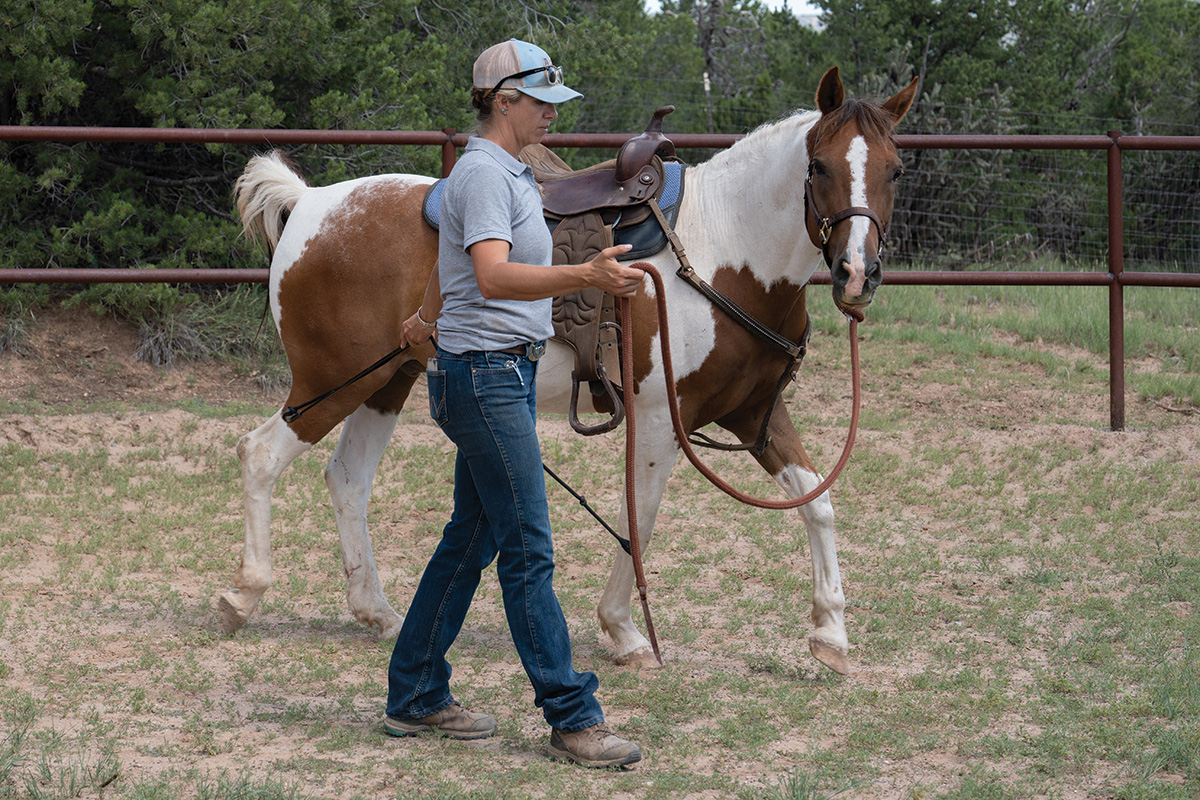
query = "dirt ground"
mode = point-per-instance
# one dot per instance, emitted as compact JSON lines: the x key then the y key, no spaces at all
{"x":75,"y":356}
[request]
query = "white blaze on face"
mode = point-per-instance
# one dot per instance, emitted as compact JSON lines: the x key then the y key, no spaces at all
{"x":856,"y":155}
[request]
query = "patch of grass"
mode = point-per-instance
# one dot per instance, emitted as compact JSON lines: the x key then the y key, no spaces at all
{"x":1160,"y":324}
{"x":1020,"y":603}
{"x":800,"y":785}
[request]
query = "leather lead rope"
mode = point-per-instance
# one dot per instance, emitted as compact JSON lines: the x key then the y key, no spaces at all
{"x":635,"y":545}
{"x":854,"y":317}
{"x":625,"y":318}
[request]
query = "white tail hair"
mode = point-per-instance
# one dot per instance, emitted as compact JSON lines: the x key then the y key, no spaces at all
{"x":268,"y":187}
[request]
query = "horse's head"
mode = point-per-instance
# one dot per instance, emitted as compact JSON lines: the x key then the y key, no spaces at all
{"x":851,"y":186}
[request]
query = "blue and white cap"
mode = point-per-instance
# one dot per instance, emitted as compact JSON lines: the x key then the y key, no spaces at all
{"x":522,"y":66}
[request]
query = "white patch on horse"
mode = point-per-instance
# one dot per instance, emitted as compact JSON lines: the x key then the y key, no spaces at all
{"x":856,"y":155}
{"x":749,"y":191}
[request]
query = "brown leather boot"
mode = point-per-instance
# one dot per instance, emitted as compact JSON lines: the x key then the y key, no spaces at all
{"x":596,"y":746}
{"x":453,"y":722}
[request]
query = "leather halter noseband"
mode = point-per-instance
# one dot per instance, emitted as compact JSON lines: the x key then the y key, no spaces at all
{"x":825,"y":224}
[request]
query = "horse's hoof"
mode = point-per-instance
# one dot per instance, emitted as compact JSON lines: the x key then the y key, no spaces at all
{"x":832,"y":656}
{"x":232,"y":617}
{"x":391,"y":630}
{"x":642,"y":657}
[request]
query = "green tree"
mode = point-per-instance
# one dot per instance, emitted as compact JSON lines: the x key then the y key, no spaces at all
{"x":957,"y":44}
{"x":986,"y":66}
{"x":1154,"y":70}
{"x":341,"y":64}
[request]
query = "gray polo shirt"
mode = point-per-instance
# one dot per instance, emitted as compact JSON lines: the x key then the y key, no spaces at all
{"x":489,"y":195}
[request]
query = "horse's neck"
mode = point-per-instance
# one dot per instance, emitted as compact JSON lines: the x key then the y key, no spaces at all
{"x":748,"y":204}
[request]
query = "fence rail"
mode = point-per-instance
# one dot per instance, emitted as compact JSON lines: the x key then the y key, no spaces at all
{"x":1114,"y":143}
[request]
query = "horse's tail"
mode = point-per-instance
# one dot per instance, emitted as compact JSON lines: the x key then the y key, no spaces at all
{"x":269,"y":187}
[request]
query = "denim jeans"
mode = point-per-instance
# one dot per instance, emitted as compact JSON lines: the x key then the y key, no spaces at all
{"x":486,"y":403}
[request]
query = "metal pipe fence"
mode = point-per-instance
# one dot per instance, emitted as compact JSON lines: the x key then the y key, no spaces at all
{"x":1113,"y":145}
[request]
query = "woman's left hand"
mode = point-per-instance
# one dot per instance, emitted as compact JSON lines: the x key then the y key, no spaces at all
{"x":414,"y":332}
{"x":613,"y":276}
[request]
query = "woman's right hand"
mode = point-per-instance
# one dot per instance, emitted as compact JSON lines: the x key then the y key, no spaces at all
{"x":613,"y":276}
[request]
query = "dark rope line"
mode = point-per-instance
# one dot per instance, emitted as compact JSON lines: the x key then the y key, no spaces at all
{"x":583,"y":502}
{"x":293,"y":413}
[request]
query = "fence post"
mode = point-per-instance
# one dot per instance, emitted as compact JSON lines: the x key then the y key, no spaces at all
{"x":449,"y":154}
{"x":1116,"y":296}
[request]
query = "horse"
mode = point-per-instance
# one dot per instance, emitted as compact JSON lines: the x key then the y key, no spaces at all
{"x":352,"y":261}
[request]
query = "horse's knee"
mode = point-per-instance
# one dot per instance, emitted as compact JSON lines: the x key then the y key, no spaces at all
{"x":255,"y":458}
{"x":818,"y":515}
{"x":252,"y":450}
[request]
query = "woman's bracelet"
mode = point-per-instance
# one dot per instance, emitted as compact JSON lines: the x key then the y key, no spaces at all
{"x":423,"y":322}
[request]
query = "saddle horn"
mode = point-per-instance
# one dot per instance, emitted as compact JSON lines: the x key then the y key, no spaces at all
{"x":637,"y":152}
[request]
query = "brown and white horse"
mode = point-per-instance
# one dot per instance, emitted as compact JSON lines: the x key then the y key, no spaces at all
{"x":352,"y":261}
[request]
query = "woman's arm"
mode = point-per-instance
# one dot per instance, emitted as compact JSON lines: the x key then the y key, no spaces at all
{"x":418,"y":328}
{"x":501,"y":279}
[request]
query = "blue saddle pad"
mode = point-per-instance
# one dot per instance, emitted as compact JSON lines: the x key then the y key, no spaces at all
{"x":646,"y":237}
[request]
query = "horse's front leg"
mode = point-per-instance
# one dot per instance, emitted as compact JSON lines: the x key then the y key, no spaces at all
{"x":652,"y":467}
{"x":265,"y":453}
{"x":786,"y":460}
{"x":349,"y":476}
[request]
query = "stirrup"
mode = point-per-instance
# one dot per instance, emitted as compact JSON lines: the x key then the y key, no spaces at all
{"x":618,"y":414}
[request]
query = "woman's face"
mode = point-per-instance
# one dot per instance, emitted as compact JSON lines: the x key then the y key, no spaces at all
{"x":529,"y":119}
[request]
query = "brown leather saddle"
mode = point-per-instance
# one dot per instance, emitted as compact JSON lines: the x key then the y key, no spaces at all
{"x":587,"y":210}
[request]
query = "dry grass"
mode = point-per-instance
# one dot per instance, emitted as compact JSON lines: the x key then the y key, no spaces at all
{"x":1022,"y":584}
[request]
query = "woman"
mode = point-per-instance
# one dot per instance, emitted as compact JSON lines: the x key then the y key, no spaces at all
{"x":490,"y":300}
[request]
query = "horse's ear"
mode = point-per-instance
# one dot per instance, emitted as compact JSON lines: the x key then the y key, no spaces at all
{"x":899,"y":104}
{"x":830,"y":94}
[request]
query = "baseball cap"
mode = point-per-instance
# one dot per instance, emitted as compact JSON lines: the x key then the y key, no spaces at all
{"x":522,"y":66}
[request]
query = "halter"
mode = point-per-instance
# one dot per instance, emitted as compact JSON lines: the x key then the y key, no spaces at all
{"x":825,"y":224}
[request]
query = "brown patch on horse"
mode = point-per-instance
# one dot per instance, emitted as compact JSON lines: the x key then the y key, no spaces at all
{"x":345,"y":299}
{"x":735,"y":384}
{"x":645,"y":324}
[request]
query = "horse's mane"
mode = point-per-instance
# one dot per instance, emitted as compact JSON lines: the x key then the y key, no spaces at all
{"x":870,"y":118}
{"x":801,"y":116}
{"x":765,"y":143}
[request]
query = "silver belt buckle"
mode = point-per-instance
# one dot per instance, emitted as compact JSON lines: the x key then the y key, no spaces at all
{"x":535,"y":350}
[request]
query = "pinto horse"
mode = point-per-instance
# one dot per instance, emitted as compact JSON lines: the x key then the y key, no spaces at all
{"x":352,"y":261}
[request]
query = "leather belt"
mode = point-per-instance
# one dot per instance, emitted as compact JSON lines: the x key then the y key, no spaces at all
{"x":532,"y":351}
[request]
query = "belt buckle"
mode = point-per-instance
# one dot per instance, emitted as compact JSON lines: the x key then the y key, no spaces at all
{"x":535,"y":350}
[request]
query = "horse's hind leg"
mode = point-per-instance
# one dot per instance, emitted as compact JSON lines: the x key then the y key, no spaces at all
{"x":349,"y":476}
{"x":265,"y":453}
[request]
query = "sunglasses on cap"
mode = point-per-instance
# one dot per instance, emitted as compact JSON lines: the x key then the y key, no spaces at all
{"x":554,"y":76}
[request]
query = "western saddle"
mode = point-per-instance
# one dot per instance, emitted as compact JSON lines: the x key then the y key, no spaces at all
{"x":588,"y":210}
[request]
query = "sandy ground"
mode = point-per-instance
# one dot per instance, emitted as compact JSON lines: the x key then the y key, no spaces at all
{"x":79,"y":356}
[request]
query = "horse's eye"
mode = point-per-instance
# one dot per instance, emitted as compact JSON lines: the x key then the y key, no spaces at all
{"x":898,"y":174}
{"x":818,"y":169}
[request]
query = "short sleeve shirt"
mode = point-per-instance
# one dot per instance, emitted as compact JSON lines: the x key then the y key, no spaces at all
{"x":489,"y":195}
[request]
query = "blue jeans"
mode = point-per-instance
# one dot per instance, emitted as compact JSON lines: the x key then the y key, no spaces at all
{"x":486,"y":403}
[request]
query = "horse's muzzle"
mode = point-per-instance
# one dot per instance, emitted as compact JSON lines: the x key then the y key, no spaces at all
{"x":855,"y":284}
